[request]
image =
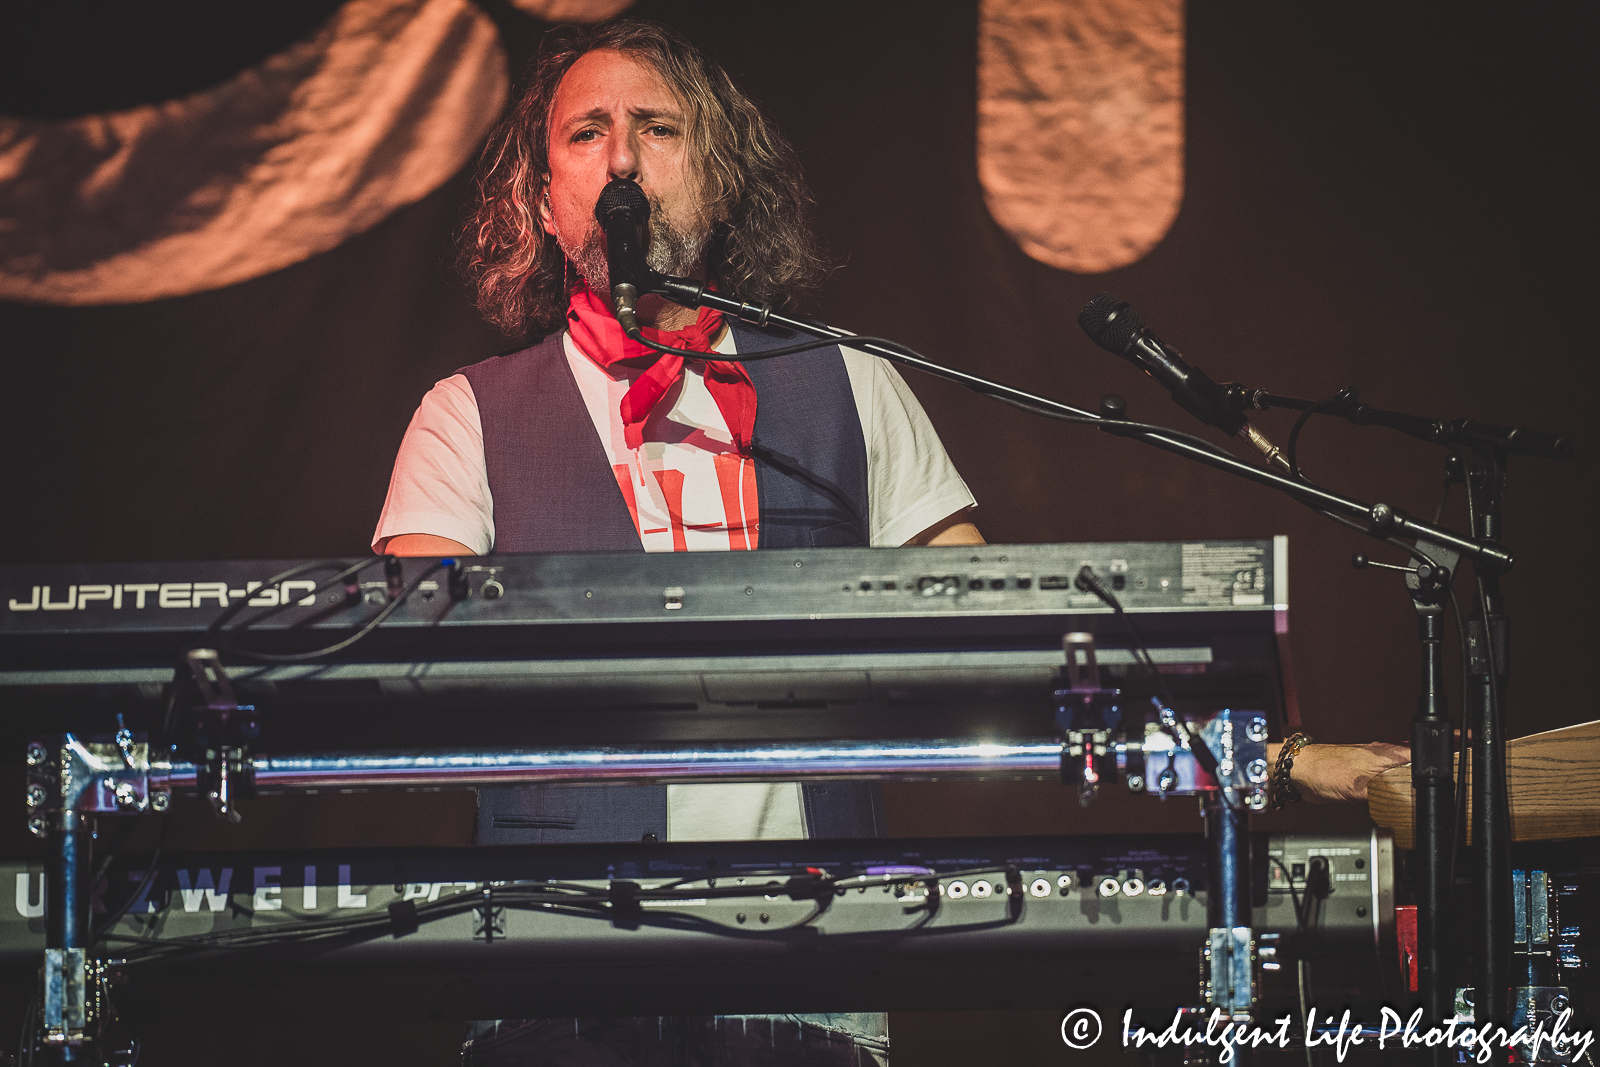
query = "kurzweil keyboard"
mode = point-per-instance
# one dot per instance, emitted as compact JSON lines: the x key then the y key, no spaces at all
{"x":733,"y":927}
{"x":824,"y":642}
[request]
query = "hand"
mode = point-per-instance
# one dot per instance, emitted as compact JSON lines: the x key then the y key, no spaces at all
{"x":1324,"y":774}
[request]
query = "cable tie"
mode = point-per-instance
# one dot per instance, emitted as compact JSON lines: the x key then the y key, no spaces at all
{"x":624,"y":897}
{"x":809,"y":887}
{"x":403,"y":917}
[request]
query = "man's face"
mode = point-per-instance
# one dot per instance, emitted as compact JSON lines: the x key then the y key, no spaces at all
{"x":616,"y":117}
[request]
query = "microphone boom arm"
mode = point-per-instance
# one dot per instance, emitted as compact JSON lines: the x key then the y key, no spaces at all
{"x":1380,"y":520}
{"x":1516,"y":440}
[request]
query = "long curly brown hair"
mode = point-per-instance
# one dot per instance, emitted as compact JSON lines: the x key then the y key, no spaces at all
{"x":763,"y":246}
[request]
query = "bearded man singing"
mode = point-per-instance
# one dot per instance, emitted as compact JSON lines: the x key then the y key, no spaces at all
{"x":588,"y":441}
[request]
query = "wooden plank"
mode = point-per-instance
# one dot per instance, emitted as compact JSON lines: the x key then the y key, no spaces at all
{"x":1555,"y":788}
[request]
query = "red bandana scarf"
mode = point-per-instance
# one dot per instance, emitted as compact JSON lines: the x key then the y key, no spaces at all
{"x":600,"y":336}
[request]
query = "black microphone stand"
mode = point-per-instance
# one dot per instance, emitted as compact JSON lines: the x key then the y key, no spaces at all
{"x":1433,"y":787}
{"x":1502,"y":440}
{"x":1433,"y":827}
{"x":1488,"y":647}
{"x":1487,"y":450}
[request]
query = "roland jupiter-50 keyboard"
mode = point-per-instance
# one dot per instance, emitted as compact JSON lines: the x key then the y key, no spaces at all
{"x":887,"y":641}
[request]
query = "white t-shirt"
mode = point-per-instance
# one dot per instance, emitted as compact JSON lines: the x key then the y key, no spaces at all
{"x":688,"y":484}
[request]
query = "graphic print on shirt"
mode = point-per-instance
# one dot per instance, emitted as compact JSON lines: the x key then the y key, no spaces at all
{"x":687,"y":489}
{"x":736,"y":477}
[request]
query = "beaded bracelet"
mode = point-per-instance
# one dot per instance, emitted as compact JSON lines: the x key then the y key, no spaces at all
{"x":1283,"y":790}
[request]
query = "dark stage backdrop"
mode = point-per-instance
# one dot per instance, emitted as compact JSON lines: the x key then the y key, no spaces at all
{"x":1392,"y":197}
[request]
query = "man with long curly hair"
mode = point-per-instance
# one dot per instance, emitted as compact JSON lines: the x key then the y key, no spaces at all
{"x":586,"y":440}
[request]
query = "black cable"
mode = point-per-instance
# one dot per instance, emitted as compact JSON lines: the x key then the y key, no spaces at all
{"x":1203,"y":755}
{"x":1303,"y":985}
{"x":119,"y":837}
{"x":1458,"y":827}
{"x":227,"y":614}
{"x":1294,"y":435}
{"x":135,"y":1042}
{"x":376,"y":621}
{"x":30,"y":1025}
{"x":601,"y":910}
{"x":1496,"y":703}
{"x":1299,"y":919}
{"x":1304,"y":982}
{"x":227,"y":639}
{"x":1496,"y":713}
{"x":1444,"y":498}
{"x":290,"y":932}
{"x":355,"y":927}
{"x":1302,"y":965}
{"x":169,"y":715}
{"x":1089,"y":581}
{"x":304,"y":930}
{"x":568,"y":897}
{"x":215,"y":629}
{"x":772,"y":353}
{"x":111,"y":920}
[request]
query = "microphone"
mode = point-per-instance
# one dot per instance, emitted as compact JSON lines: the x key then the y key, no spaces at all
{"x":624,"y":215}
{"x":1114,"y":326}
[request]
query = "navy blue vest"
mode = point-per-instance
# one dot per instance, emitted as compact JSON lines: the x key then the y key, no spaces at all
{"x":554,"y":491}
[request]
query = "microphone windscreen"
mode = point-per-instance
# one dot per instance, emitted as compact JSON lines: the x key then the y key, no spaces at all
{"x":1111,"y":323}
{"x":624,"y":194}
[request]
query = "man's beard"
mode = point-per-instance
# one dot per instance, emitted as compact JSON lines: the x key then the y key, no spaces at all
{"x":672,"y":250}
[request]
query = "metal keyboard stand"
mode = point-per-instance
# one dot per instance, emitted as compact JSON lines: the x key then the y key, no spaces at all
{"x":1228,"y":963}
{"x":72,"y":781}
